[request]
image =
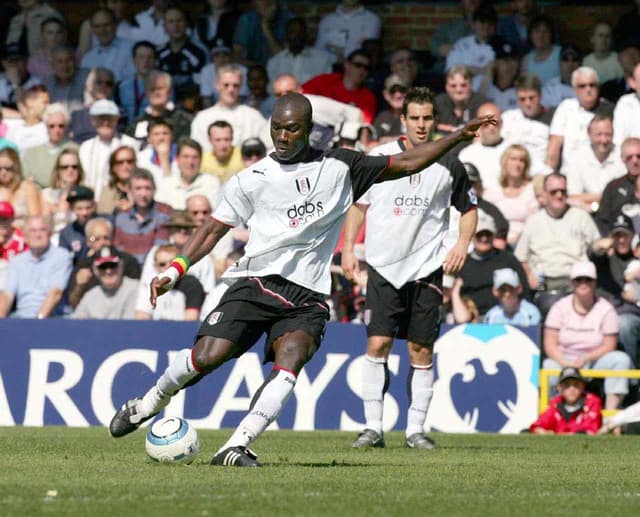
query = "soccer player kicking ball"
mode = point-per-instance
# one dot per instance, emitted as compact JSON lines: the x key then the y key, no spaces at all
{"x":404,"y":287}
{"x":294,"y":201}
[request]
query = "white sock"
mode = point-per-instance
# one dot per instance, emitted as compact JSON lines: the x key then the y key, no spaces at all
{"x":178,"y":373}
{"x":420,"y":390}
{"x":265,"y":408}
{"x":375,"y":380}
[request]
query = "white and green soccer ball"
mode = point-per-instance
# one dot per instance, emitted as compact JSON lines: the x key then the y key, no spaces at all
{"x":172,"y":440}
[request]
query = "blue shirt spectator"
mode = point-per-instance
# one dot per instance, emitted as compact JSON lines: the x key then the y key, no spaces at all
{"x":527,"y":315}
{"x":511,"y":309}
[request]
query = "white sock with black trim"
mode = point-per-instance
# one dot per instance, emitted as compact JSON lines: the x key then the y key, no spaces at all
{"x":265,"y":408}
{"x":178,"y":373}
{"x":420,"y":390}
{"x":375,"y":377}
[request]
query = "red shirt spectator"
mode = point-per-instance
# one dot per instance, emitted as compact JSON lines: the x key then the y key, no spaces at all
{"x":347,"y":87}
{"x":11,"y":240}
{"x":557,"y":419}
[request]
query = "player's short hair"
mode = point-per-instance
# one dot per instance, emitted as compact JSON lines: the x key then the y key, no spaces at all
{"x":528,"y":82}
{"x":419,"y":95}
{"x":159,"y":121}
{"x":185,"y":141}
{"x":143,"y":44}
{"x":141,"y":174}
{"x":293,"y":98}
{"x":220,"y":124}
{"x":462,"y":70}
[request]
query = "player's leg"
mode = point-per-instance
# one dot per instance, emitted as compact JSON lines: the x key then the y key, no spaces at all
{"x":292,"y":351}
{"x":189,"y":366}
{"x":375,"y":382}
{"x":423,"y":330}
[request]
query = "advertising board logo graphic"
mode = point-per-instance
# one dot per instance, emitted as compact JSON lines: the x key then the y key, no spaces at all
{"x":485,"y":380}
{"x":303,"y":185}
{"x":303,"y":213}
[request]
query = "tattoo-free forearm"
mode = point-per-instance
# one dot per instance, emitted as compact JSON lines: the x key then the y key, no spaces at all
{"x":467,"y":225}
{"x":352,"y":225}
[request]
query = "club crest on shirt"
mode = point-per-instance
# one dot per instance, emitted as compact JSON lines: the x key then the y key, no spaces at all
{"x":214,"y":317}
{"x":367,"y":316}
{"x":303,"y":185}
{"x":414,"y":180}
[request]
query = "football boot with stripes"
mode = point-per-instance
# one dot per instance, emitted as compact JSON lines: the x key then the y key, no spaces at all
{"x":236,"y":457}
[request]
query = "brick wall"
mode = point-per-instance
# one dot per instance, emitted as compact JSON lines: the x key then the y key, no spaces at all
{"x":411,"y":24}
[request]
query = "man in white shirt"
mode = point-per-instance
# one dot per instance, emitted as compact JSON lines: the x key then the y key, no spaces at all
{"x":297,"y":58}
{"x":294,"y":202}
{"x":246,"y":121}
{"x":529,"y":123}
{"x":592,"y":166}
{"x":343,"y":31}
{"x":110,"y":52}
{"x":485,"y":153}
{"x":174,"y":190}
{"x":95,"y":152}
{"x":151,"y":24}
{"x":569,"y":125}
{"x":404,"y":284}
{"x":207,"y":78}
{"x":626,"y":116}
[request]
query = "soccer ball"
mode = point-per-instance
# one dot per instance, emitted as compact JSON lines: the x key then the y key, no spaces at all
{"x":172,"y":440}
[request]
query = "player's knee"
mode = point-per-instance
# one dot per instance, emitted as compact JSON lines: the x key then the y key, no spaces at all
{"x":294,"y":352}
{"x":379,"y":346}
{"x":420,"y":354}
{"x":209,"y":353}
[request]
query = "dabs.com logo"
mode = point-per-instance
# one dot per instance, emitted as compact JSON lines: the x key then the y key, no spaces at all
{"x":410,"y":205}
{"x":302,"y":213}
{"x":486,"y":380}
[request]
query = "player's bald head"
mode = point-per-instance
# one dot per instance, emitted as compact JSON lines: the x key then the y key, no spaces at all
{"x":294,"y":105}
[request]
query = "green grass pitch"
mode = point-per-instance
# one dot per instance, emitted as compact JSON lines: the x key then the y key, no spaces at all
{"x":317,"y":473}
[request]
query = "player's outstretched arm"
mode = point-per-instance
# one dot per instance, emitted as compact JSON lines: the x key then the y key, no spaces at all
{"x":417,"y":158}
{"x":199,"y":245}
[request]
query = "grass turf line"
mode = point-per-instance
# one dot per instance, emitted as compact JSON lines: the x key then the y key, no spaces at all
{"x":317,"y":473}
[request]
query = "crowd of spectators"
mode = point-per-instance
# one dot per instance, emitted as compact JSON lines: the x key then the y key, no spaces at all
{"x":115,"y":146}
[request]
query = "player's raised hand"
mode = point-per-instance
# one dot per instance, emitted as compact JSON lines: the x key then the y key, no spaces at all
{"x":470,"y":129}
{"x":350,"y":265}
{"x":159,"y":286}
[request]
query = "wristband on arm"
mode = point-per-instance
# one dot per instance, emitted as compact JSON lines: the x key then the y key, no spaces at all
{"x":176,"y":270}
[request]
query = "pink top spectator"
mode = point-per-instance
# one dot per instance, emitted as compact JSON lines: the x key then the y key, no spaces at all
{"x":515,"y":209}
{"x":581,"y":334}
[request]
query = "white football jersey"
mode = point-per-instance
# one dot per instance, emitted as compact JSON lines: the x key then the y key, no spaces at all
{"x":295,"y":213}
{"x":407,"y":219}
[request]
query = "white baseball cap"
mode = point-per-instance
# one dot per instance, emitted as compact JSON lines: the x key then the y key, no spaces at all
{"x":505,"y":276}
{"x":583,"y":269}
{"x":104,"y":107}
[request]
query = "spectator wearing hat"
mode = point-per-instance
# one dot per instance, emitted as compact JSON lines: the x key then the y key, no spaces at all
{"x":544,"y":58}
{"x":131,"y":91}
{"x":25,"y":26}
{"x":111,"y":51}
{"x":83,"y":207}
{"x":511,"y":309}
{"x":38,"y":161}
{"x":581,"y":330}
{"x":487,"y":151}
{"x":387,"y":123}
{"x":180,"y":57}
{"x":66,"y":83}
{"x":216,"y":25}
{"x":252,"y":150}
{"x":247,"y":122}
{"x":11,"y":240}
{"x":573,"y":411}
{"x":185,"y":302}
{"x":553,"y":239}
{"x":603,"y":59}
{"x":16,"y":78}
{"x":348,"y":87}
{"x":498,"y":81}
{"x":559,"y":88}
{"x":99,"y":238}
{"x":224,"y":160}
{"x":297,"y":58}
{"x":528,"y":123}
{"x":141,"y":227}
{"x":180,"y":226}
{"x":627,"y":111}
{"x":621,"y":193}
{"x":475,"y":51}
{"x":114,"y":296}
{"x":174,"y":190}
{"x":591,"y":166}
{"x":158,"y":90}
{"x":220,"y":56}
{"x":569,"y":127}
{"x":36,"y":279}
{"x":484,"y":259}
{"x":95,"y":153}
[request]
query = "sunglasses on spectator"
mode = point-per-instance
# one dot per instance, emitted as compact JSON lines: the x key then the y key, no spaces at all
{"x":555,"y":191}
{"x":629,"y":156}
{"x":66,"y":166}
{"x":59,"y":126}
{"x":582,"y":86}
{"x":129,"y":161}
{"x":503,"y":289}
{"x":360,"y":64}
{"x":583,"y":280}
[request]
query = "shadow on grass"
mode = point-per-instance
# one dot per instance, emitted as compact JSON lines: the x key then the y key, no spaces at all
{"x":315,"y":464}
